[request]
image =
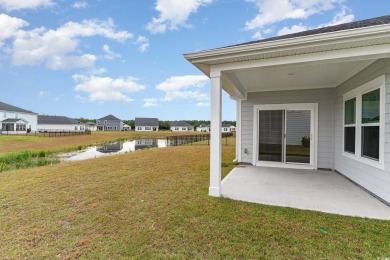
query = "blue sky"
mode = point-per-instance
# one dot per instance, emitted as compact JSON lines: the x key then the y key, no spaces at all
{"x":90,"y":58}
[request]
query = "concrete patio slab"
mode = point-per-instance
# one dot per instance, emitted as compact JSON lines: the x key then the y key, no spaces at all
{"x":324,"y":191}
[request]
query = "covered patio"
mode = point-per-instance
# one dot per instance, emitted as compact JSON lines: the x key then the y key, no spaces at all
{"x":324,"y":191}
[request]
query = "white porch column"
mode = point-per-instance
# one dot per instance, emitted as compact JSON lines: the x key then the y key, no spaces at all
{"x":215,"y":135}
{"x":238,"y":131}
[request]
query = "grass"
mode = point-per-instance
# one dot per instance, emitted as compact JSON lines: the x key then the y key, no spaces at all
{"x":26,"y":159}
{"x":154,"y":204}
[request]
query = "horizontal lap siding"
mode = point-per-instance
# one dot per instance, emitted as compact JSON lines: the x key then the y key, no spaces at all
{"x":324,"y":98}
{"x":373,"y":179}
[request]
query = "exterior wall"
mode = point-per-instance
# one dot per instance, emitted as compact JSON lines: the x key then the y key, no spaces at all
{"x":375,"y":180}
{"x":203,"y":129}
{"x":59,"y":127}
{"x":324,"y":98}
{"x":145,"y":128}
{"x":181,"y":129}
{"x":31,"y":118}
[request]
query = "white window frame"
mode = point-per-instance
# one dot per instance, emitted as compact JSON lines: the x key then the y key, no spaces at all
{"x":377,"y":83}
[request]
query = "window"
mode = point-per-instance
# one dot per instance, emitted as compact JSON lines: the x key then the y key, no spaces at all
{"x":16,"y":115}
{"x":176,"y":128}
{"x":20,"y":127}
{"x":75,"y":128}
{"x":349,"y":125}
{"x":184,"y":129}
{"x":105,"y":122}
{"x":98,"y":121}
{"x":364,"y":117}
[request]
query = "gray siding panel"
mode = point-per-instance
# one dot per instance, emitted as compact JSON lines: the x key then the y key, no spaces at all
{"x":324,"y":98}
{"x":373,"y":179}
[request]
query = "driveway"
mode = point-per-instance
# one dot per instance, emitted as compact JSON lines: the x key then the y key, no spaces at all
{"x":324,"y":191}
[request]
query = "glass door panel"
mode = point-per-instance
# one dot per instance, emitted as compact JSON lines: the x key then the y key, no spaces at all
{"x":271,"y":131}
{"x":298,"y":124}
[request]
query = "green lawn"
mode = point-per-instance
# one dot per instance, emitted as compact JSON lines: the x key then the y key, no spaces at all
{"x":154,"y":204}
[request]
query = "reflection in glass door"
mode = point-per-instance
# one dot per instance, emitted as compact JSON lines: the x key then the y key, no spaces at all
{"x":298,"y":136}
{"x":271,"y":125}
{"x":285,"y":136}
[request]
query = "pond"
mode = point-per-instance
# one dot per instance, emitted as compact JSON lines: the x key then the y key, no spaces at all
{"x":114,"y":148}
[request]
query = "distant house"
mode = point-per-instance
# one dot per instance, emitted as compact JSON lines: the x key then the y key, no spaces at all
{"x":203,"y":128}
{"x":60,"y":124}
{"x":181,"y":126}
{"x":109,"y":123}
{"x":146,"y":124}
{"x":228,"y":128}
{"x":126,"y":127}
{"x":15,"y":120}
{"x":91,"y":126}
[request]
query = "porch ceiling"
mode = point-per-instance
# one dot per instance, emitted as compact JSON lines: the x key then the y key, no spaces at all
{"x":290,"y":77}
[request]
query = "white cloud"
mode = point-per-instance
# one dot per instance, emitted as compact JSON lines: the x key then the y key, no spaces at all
{"x":143,"y":43}
{"x":344,"y":16}
{"x":80,"y":5}
{"x":9,"y":26}
{"x":173,"y":14}
{"x":11,"y":5}
{"x":293,"y":29}
{"x":110,"y":55}
{"x":150,"y":102}
{"x":202,"y":104}
{"x":273,"y":11}
{"x":42,"y":93}
{"x":184,"y":87}
{"x":106,"y":88}
{"x":57,"y":49}
{"x":341,"y":17}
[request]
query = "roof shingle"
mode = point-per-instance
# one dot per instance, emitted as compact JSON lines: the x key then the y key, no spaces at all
{"x":56,"y":120}
{"x":141,"y":121}
{"x":7,"y":107}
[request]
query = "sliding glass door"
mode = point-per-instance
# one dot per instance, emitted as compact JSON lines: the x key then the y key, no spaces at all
{"x":285,"y":136}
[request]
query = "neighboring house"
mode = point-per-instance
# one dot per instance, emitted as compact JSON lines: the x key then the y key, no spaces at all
{"x":203,"y":128}
{"x":181,"y":126}
{"x":60,"y":124}
{"x":335,"y":79}
{"x":126,"y":127}
{"x":109,"y":123}
{"x":91,"y":126}
{"x":146,"y":124}
{"x":15,"y":120}
{"x":228,"y":128}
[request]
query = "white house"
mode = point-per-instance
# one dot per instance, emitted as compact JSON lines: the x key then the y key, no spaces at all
{"x":126,"y":127}
{"x":60,"y":124}
{"x":228,"y":128}
{"x":203,"y":128}
{"x":335,"y":80}
{"x":146,"y":124}
{"x":91,"y":126}
{"x":181,"y":126}
{"x":15,"y":120}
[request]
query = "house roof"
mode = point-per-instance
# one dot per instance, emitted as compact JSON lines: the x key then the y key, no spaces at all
{"x":204,"y":125}
{"x":141,"y":121}
{"x":109,"y":117}
{"x":335,"y":52}
{"x":56,"y":120}
{"x":13,"y":120}
{"x":227,"y":125}
{"x":340,"y":27}
{"x":7,"y":107}
{"x":180,"y":124}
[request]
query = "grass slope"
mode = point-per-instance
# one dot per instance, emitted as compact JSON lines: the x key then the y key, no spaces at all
{"x":154,"y":204}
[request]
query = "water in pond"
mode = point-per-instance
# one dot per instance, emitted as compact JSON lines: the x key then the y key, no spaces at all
{"x":114,"y":148}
